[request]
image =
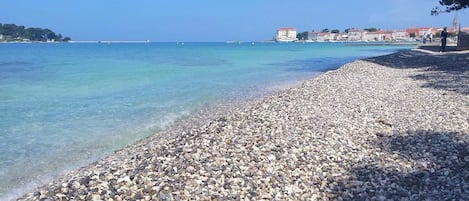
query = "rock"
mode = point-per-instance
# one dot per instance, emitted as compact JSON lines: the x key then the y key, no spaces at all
{"x":96,"y":197}
{"x":85,"y":180}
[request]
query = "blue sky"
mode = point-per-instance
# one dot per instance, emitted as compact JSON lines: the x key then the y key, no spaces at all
{"x":216,"y":20}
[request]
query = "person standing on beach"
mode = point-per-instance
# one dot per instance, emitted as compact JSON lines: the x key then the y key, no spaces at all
{"x":444,"y":35}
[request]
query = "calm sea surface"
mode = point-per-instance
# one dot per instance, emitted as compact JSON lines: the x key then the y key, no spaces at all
{"x":65,"y":105}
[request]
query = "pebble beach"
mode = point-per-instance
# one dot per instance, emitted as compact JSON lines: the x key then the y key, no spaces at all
{"x":394,"y":127}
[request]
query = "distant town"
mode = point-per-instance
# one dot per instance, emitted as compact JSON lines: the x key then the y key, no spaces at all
{"x":424,"y":34}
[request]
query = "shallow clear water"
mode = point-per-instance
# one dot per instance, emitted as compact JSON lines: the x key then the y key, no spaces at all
{"x":64,"y":105}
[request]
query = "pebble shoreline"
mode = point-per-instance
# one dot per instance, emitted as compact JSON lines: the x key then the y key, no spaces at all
{"x":367,"y":131}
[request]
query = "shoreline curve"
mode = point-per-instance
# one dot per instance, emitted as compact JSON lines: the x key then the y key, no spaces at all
{"x":387,"y":127}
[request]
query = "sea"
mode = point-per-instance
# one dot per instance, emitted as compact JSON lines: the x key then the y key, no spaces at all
{"x":64,"y":105}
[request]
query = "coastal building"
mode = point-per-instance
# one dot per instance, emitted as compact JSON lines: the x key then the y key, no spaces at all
{"x":374,"y":36}
{"x":312,"y":36}
{"x":388,"y":35}
{"x":426,"y":31}
{"x":286,"y":34}
{"x":1,"y":36}
{"x":355,"y":35}
{"x":412,"y":32}
{"x":323,"y":37}
{"x":420,"y":32}
{"x":399,"y":35}
{"x":335,"y":36}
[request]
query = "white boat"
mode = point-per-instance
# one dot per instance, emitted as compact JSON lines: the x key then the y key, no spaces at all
{"x":232,"y":42}
{"x":280,"y":40}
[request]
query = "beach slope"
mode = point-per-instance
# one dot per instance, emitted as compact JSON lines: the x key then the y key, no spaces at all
{"x":391,"y":127}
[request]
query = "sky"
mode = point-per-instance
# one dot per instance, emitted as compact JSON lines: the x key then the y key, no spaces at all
{"x":217,"y":20}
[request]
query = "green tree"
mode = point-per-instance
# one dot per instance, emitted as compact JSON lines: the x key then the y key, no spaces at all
{"x":335,"y":31}
{"x":35,"y":34}
{"x":346,"y":30}
{"x":325,"y":31}
{"x":20,"y":30}
{"x":50,"y":35}
{"x":14,"y":32}
{"x":9,"y":30}
{"x":302,"y":35}
{"x":371,"y":29}
{"x":412,"y":35}
{"x":450,"y":5}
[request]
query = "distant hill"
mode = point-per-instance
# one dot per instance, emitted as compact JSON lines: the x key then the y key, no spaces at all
{"x":13,"y":32}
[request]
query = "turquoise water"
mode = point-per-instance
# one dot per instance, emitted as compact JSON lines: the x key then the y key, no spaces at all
{"x":65,"y":105}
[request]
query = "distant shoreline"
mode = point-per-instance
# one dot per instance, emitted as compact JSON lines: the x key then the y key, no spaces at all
{"x":91,"y":41}
{"x":227,"y":42}
{"x":112,"y":41}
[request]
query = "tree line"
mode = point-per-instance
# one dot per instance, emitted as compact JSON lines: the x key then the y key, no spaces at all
{"x":13,"y":32}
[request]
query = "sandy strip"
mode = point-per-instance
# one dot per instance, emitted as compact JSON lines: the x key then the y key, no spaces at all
{"x":392,"y":127}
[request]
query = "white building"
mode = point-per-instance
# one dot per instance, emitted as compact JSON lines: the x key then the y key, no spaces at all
{"x":322,"y":37}
{"x":378,"y":36}
{"x":312,"y":36}
{"x":399,"y":35}
{"x":425,"y":31}
{"x":420,"y":32}
{"x":286,"y":35}
{"x":355,"y":35}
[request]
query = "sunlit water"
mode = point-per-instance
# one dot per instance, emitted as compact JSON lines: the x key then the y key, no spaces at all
{"x":65,"y":105}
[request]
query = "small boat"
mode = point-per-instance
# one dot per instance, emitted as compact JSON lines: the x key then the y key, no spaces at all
{"x":232,"y":42}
